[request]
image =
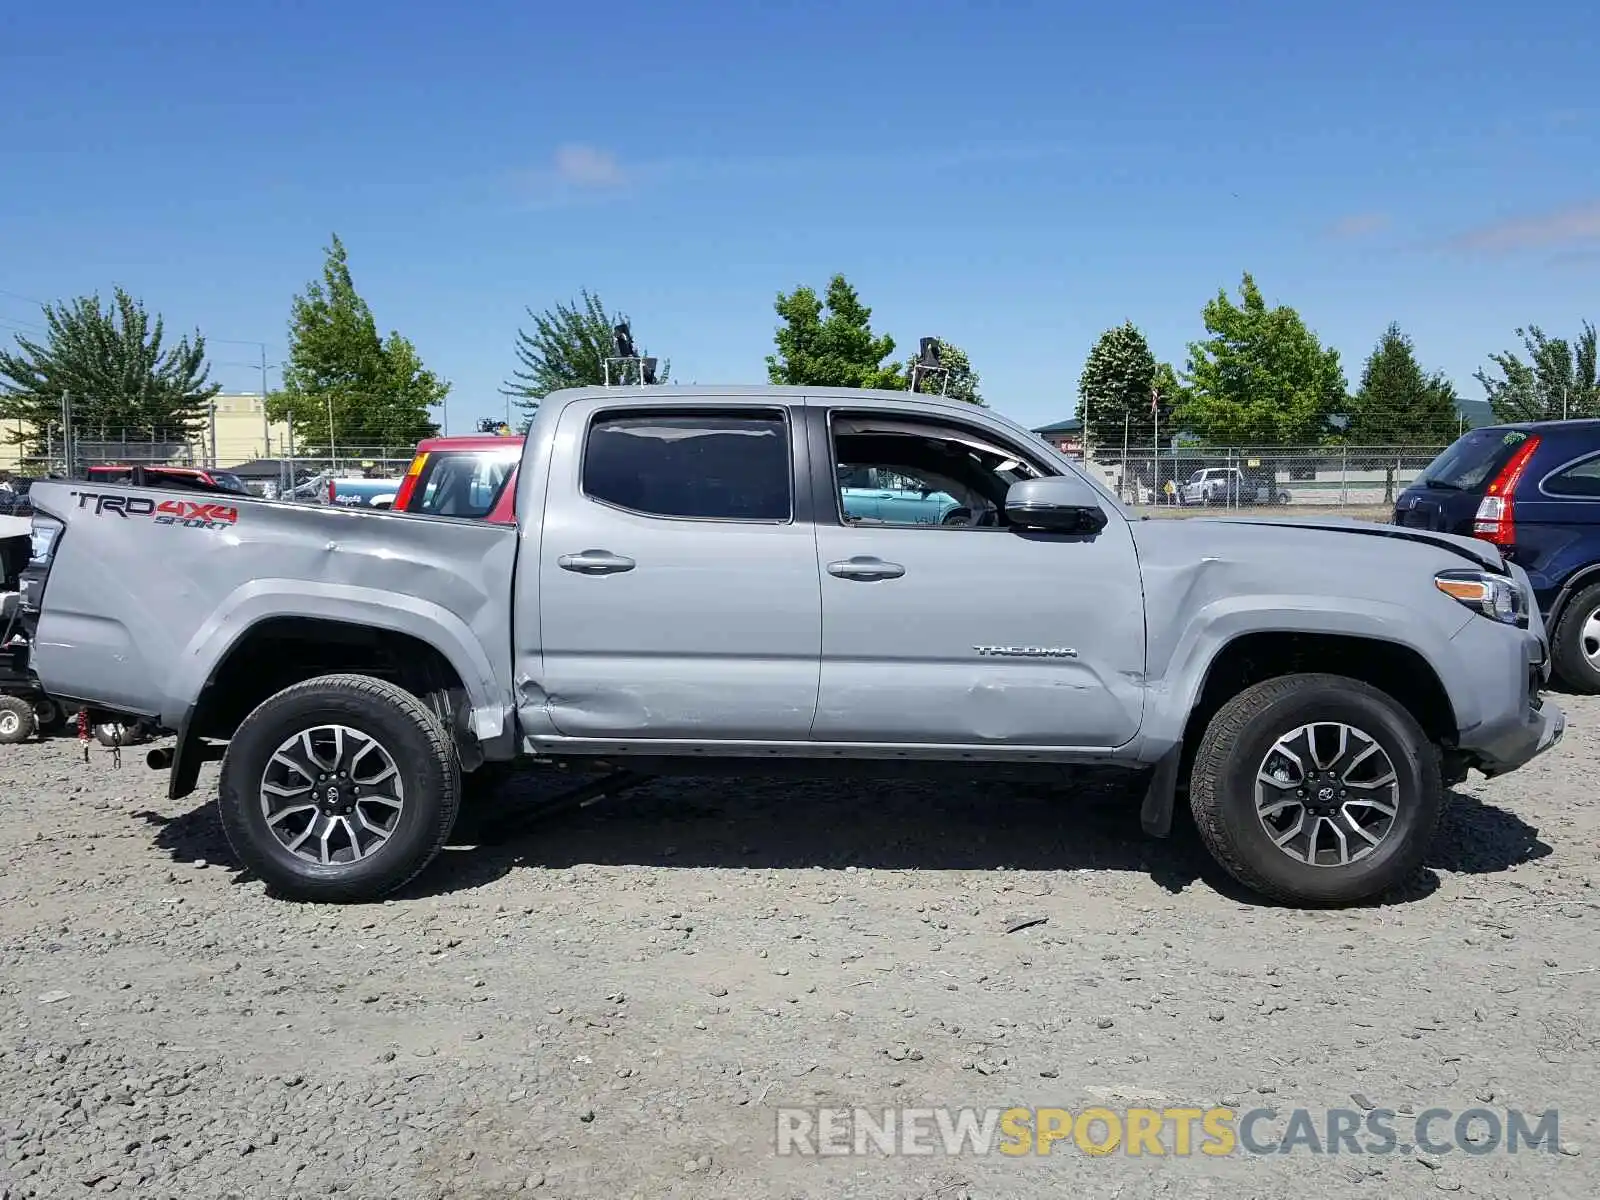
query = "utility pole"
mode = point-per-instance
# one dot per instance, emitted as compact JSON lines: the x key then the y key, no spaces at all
{"x":1123,"y":475}
{"x":266,"y":425}
{"x":66,"y":431}
{"x":333,"y":454}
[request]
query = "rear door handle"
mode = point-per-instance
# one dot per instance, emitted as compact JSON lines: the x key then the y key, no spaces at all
{"x":865,"y":567}
{"x":595,"y":562}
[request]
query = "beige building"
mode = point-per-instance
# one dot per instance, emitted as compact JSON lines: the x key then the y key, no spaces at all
{"x":240,"y":434}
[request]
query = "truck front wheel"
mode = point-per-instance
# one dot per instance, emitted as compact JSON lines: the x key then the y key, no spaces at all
{"x":1316,"y":790}
{"x":339,"y":789}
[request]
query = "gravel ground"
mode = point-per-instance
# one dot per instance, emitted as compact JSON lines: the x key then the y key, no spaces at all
{"x":614,"y":1003}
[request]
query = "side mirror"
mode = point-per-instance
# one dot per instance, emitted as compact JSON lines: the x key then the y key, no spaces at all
{"x":1058,"y":504}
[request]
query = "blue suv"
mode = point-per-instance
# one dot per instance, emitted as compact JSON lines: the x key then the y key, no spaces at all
{"x":1533,"y":490}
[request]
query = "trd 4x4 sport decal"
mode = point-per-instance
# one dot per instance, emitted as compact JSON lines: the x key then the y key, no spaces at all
{"x":189,"y":514}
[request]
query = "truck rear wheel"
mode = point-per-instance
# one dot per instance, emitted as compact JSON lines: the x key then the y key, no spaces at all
{"x":1316,"y":790}
{"x":340,"y":789}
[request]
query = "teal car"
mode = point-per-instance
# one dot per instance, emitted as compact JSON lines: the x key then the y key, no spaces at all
{"x":899,"y":506}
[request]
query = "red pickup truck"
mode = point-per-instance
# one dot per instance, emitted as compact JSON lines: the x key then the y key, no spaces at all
{"x":468,"y":476}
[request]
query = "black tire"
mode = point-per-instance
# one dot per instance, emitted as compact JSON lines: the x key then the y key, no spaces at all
{"x":48,"y":716}
{"x":408,"y":731}
{"x":1566,"y":644}
{"x":17,"y":722}
{"x":1235,"y":747}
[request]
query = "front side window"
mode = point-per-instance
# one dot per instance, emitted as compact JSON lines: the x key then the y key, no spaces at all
{"x":915,"y":473}
{"x":462,"y":484}
{"x":724,"y":465}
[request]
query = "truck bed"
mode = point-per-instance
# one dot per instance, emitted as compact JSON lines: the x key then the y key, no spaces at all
{"x":159,"y":584}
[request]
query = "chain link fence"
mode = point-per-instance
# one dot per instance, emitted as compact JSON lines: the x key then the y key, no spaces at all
{"x":1349,"y":480}
{"x":70,"y":452}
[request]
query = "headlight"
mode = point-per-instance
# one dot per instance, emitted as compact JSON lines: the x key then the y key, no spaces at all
{"x":1492,"y":596}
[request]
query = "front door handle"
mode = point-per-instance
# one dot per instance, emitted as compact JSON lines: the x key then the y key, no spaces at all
{"x":595,"y":562}
{"x":865,"y":567}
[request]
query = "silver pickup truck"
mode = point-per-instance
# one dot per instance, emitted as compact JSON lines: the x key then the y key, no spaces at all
{"x":683,"y":584}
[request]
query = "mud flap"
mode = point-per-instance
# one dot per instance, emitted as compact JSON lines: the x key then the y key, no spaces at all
{"x":1155,"y":814}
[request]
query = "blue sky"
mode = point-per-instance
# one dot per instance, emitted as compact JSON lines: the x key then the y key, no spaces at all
{"x":1013,"y":177}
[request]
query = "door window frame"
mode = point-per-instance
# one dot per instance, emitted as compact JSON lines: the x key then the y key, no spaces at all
{"x":824,"y":455}
{"x":801,"y":505}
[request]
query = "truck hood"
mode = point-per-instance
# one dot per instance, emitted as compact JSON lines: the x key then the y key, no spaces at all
{"x":1477,"y":551}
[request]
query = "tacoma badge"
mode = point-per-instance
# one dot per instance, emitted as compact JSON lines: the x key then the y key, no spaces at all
{"x":1028,"y":651}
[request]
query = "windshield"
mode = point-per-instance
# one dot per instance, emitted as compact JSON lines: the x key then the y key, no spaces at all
{"x":1472,"y":460}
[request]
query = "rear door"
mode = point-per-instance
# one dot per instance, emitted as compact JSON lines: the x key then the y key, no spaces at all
{"x":678,"y":592}
{"x":1558,"y":514}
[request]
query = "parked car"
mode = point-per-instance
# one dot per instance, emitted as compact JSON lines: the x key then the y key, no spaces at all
{"x":190,"y":478}
{"x":1533,"y":490}
{"x":464,"y":476}
{"x":870,"y":494}
{"x":682,"y":587}
{"x":1230,"y":485}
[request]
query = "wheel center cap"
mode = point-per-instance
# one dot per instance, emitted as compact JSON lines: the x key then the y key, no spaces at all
{"x":1324,"y":794}
{"x":333,"y":795}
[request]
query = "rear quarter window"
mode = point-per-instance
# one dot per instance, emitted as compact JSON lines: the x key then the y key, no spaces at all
{"x":1581,"y":480}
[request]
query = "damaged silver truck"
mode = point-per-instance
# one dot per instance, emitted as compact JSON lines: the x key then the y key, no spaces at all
{"x":684,"y":590}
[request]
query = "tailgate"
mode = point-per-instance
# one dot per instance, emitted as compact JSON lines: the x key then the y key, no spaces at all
{"x":1436,"y":510}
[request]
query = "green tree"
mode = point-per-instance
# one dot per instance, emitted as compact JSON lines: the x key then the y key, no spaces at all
{"x":568,"y":348}
{"x":961,"y":382}
{"x":1560,"y":380}
{"x":1396,"y":403}
{"x":345,"y":387}
{"x":1115,"y":390}
{"x":110,"y":361}
{"x":836,"y":350}
{"x":1261,"y":378}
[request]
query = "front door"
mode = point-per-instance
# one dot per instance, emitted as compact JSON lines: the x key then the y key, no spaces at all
{"x":677,"y":591}
{"x":966,"y":632}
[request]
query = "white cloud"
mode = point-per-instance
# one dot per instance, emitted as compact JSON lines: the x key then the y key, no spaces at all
{"x":579,"y":165}
{"x":1359,"y":225}
{"x":1572,"y":227}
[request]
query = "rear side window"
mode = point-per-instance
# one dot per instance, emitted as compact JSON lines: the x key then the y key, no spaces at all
{"x":726,"y":465}
{"x":462,"y":484}
{"x":1580,"y":479}
{"x":1472,"y":460}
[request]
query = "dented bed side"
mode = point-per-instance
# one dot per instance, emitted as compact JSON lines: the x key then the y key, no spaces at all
{"x":149,"y":590}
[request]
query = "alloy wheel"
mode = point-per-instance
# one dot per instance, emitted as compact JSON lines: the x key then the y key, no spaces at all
{"x":1589,"y":639}
{"x":1327,"y":794}
{"x":332,"y":795}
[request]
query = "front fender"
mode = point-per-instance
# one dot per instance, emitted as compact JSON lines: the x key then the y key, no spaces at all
{"x":1190,"y":650}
